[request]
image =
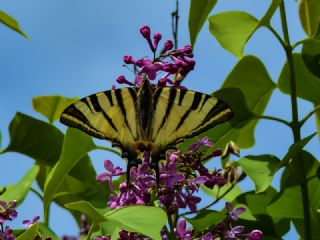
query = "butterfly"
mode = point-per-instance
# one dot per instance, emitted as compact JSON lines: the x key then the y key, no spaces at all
{"x":146,"y":119}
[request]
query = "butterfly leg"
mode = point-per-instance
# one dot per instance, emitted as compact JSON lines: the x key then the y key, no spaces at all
{"x":131,"y":158}
{"x":155,"y":158}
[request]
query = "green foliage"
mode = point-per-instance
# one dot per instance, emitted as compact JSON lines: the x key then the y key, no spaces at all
{"x":205,"y":219}
{"x":30,"y":233}
{"x":309,"y":11}
{"x":11,"y":23}
{"x":20,"y":190}
{"x":311,"y":55}
{"x":260,"y":169}
{"x":51,"y":106}
{"x":75,"y":146}
{"x":199,"y":11}
{"x":228,"y":192}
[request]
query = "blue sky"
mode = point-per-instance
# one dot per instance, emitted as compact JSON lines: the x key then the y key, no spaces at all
{"x":76,"y":49}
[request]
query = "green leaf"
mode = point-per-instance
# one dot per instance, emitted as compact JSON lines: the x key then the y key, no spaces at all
{"x":311,"y":55}
{"x":307,"y":84}
{"x":219,"y":191}
{"x":233,"y":30}
{"x":260,"y":169}
{"x":265,"y":20}
{"x":45,"y":232}
{"x":142,"y":219}
{"x":30,"y":233}
{"x":86,"y":208}
{"x":205,"y":219}
{"x":288,"y":204}
{"x":20,"y":190}
{"x":43,"y":143}
{"x":249,"y":73}
{"x":309,"y":11}
{"x":295,"y":149}
{"x":11,"y":23}
{"x":273,"y":228}
{"x":51,"y":106}
{"x":199,"y":11}
{"x":76,"y":145}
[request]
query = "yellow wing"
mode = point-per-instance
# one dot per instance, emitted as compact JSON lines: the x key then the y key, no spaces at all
{"x":181,"y":114}
{"x":107,"y":115}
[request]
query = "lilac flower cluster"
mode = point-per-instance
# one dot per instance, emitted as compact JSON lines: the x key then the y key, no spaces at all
{"x":171,"y":62}
{"x":7,"y":213}
{"x":225,"y":230}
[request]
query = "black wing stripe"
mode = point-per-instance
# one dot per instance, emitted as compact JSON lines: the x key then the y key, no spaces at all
{"x":181,"y":96}
{"x":195,"y":103}
{"x":109,"y":96}
{"x":172,"y":96}
{"x":74,"y":112}
{"x":122,"y":108}
{"x":215,"y":110}
{"x":97,"y":107}
{"x":85,"y":101}
{"x":156,"y":97}
{"x":206,"y":98}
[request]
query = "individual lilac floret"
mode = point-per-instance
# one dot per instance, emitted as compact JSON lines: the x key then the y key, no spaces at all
{"x":111,"y":172}
{"x":255,"y":235}
{"x":7,"y":211}
{"x":168,"y":45}
{"x":122,"y":80}
{"x":150,"y":68}
{"x":233,"y":214}
{"x":202,"y":142}
{"x":156,"y":39}
{"x":28,"y":223}
{"x":170,"y":175}
{"x":232,"y":234}
{"x":7,"y":234}
{"x":145,"y":32}
{"x":182,"y":232}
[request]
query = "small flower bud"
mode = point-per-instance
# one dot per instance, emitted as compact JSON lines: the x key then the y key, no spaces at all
{"x":168,"y":45}
{"x":145,"y":31}
{"x":122,"y":80}
{"x":156,"y":39}
{"x":231,"y":147}
{"x":129,"y":59}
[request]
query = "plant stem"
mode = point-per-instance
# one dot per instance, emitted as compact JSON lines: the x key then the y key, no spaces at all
{"x":36,"y":193}
{"x":171,"y":224}
{"x":175,"y":21}
{"x":275,"y":119}
{"x":295,"y":122}
{"x":317,"y":108}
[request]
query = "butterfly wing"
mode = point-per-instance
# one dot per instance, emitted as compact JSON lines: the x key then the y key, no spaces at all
{"x":109,"y":115}
{"x":181,"y":114}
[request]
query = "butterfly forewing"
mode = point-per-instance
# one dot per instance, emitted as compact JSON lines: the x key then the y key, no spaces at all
{"x":107,"y":115}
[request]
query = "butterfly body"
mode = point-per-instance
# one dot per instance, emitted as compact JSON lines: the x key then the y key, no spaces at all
{"x":146,"y":118}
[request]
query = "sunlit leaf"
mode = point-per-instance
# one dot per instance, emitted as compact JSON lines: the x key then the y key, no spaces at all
{"x":11,"y":23}
{"x":199,"y":11}
{"x":265,"y":20}
{"x":76,"y":145}
{"x":142,"y":219}
{"x":20,"y":190}
{"x":30,"y":233}
{"x":228,"y":193}
{"x":43,"y":143}
{"x":206,"y":218}
{"x":86,"y":208}
{"x":45,"y":232}
{"x":51,"y":106}
{"x":309,"y":11}
{"x":249,"y":73}
{"x":260,"y":169}
{"x":233,"y":30}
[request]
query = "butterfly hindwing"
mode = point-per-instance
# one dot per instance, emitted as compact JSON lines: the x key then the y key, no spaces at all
{"x":183,"y":114}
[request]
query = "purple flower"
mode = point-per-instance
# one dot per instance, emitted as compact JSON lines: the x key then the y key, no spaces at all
{"x":202,"y":142}
{"x":233,"y":214}
{"x":122,"y":80}
{"x":168,"y":45}
{"x":7,"y":234}
{"x":150,"y":68}
{"x":111,"y":171}
{"x":182,"y":232}
{"x":28,"y":223}
{"x":7,"y":211}
{"x":232,"y":233}
{"x":129,"y":59}
{"x":255,"y":235}
{"x":145,"y":32}
{"x":207,"y":236}
{"x":191,"y":201}
{"x":170,"y":175}
{"x":156,"y":39}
